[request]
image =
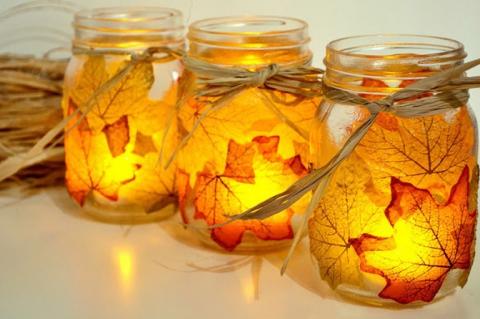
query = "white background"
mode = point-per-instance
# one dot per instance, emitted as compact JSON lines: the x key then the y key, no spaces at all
{"x":54,"y":263}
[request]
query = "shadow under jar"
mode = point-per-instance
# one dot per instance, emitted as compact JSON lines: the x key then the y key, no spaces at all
{"x":397,"y":222}
{"x":113,"y":141}
{"x":252,"y":147}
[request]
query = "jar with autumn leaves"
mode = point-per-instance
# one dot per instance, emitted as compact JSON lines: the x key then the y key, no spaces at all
{"x":397,"y":222}
{"x":118,"y":111}
{"x":252,"y":147}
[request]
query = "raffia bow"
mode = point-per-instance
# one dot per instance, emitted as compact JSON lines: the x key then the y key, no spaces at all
{"x":449,"y":90}
{"x":215,"y":80}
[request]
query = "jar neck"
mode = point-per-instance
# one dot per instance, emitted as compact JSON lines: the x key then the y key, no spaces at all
{"x":128,"y":29}
{"x":383,"y":64}
{"x":252,"y":41}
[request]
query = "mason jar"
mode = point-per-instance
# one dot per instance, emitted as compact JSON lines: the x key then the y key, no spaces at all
{"x":397,"y":222}
{"x":252,"y":147}
{"x":117,"y":125}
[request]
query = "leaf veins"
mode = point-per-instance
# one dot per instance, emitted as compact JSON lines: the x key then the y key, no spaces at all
{"x":429,"y":240}
{"x":344,"y":212}
{"x":253,"y":172}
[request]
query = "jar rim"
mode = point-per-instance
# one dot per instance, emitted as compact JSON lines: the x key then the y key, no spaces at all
{"x":202,"y":25}
{"x":445,"y":46}
{"x":390,"y":58}
{"x":260,"y":39}
{"x":126,"y":14}
{"x":129,"y":28}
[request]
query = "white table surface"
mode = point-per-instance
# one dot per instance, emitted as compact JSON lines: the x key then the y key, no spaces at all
{"x":57,"y":263}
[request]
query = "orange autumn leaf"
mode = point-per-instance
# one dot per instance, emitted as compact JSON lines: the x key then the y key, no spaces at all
{"x":117,"y":135}
{"x":345,"y":211}
{"x":90,"y":164}
{"x":386,"y":120}
{"x":429,"y":240}
{"x":239,"y":164}
{"x":144,"y":144}
{"x":373,"y":83}
{"x":253,"y":172}
{"x":429,"y":152}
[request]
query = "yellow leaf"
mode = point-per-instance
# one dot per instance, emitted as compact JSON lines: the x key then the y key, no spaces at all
{"x":345,"y":212}
{"x":429,"y":152}
{"x":127,"y":97}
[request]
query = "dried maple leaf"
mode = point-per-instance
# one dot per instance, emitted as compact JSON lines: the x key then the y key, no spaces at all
{"x":117,"y":135}
{"x":253,"y":172}
{"x":245,"y":117}
{"x":90,"y":164}
{"x":429,"y":152}
{"x":144,"y":144}
{"x":127,"y":97}
{"x":428,"y":241}
{"x":373,"y":83}
{"x":344,"y":212}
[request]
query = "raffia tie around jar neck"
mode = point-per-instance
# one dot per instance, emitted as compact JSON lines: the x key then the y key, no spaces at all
{"x":227,"y":54}
{"x":376,"y":66}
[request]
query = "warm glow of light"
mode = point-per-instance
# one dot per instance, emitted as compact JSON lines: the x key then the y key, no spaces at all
{"x":412,"y":247}
{"x":251,"y":59}
{"x":123,"y":167}
{"x":124,"y":262}
{"x":249,"y":290}
{"x":262,"y":189}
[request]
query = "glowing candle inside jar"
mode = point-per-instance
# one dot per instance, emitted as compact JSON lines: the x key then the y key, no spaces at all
{"x":118,"y":113}
{"x":244,"y":152}
{"x":397,"y":221}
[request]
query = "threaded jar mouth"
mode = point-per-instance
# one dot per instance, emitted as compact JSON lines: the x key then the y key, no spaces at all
{"x":388,"y":57}
{"x":266,"y":38}
{"x":128,"y":28}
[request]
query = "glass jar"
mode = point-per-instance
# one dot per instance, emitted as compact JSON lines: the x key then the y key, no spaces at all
{"x":397,"y":222}
{"x":251,"y":148}
{"x":112,"y":145}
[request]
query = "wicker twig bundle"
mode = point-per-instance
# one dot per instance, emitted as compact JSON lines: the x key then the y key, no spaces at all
{"x":30,"y":105}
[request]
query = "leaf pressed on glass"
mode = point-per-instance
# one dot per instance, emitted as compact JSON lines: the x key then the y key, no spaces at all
{"x":90,"y":164}
{"x":344,"y":212}
{"x":429,"y":240}
{"x":117,"y":135}
{"x":253,"y":172}
{"x":429,"y":152}
{"x":129,"y":96}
